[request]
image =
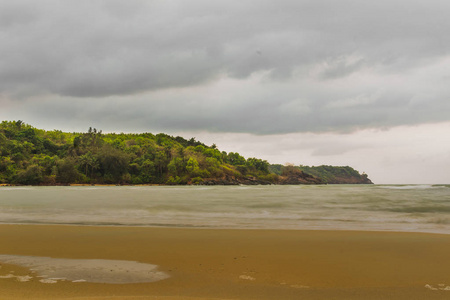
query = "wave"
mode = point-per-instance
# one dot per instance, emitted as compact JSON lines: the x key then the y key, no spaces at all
{"x":391,"y":207}
{"x":439,"y":221}
{"x":441,"y":185}
{"x":407,"y":186}
{"x":421,"y":209}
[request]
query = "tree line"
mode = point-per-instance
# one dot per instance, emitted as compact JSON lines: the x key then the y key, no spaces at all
{"x":34,"y":156}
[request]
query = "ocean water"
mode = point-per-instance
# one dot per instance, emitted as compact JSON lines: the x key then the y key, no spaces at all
{"x":416,"y":208}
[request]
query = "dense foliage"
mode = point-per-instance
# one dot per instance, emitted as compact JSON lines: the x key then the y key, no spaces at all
{"x":33,"y":156}
{"x":332,"y":174}
{"x":328,"y":174}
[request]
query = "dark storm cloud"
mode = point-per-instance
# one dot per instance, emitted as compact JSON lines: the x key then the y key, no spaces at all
{"x":296,"y":65}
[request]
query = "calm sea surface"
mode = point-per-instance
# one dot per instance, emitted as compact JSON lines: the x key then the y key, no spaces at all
{"x":419,"y":208}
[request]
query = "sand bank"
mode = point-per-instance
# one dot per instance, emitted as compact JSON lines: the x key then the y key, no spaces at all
{"x":235,"y":264}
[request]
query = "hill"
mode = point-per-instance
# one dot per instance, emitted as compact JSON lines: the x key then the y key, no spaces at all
{"x":337,"y":175}
{"x":31,"y":156}
{"x":328,"y":174}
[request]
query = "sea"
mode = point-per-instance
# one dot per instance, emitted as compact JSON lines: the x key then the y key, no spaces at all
{"x":405,"y":208}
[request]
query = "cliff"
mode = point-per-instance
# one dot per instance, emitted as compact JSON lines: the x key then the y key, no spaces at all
{"x":319,"y":175}
{"x":337,"y":174}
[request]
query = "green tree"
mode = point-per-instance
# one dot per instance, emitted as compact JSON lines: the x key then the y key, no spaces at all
{"x":31,"y":176}
{"x":258,"y":164}
{"x":192,"y":166}
{"x":113,"y":163}
{"x":89,"y":163}
{"x":67,"y":171}
{"x":235,"y":159}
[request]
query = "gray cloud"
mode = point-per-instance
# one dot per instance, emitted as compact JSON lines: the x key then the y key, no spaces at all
{"x":250,"y":66}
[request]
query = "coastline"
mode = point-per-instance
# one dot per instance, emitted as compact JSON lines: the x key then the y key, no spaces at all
{"x":237,"y":263}
{"x":188,"y":184}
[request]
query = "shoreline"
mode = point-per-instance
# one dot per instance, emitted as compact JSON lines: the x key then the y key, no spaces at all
{"x":237,"y":264}
{"x":162,"y":184}
{"x":205,"y":227}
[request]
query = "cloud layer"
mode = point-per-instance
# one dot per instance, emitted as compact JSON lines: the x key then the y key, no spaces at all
{"x":260,"y":67}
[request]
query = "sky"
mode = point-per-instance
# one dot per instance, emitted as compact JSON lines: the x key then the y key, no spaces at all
{"x":311,"y":82}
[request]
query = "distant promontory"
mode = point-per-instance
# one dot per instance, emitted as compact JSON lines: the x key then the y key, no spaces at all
{"x":30,"y":156}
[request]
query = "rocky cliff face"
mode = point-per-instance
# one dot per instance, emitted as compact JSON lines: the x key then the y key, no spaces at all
{"x":350,"y":180}
{"x":292,"y":178}
{"x":231,"y":180}
{"x":299,"y":178}
{"x":337,"y":174}
{"x":295,"y":175}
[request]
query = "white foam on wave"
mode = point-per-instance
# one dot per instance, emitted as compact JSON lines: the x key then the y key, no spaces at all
{"x":439,"y":287}
{"x":407,"y":187}
{"x":48,"y":280}
{"x":85,"y":270}
{"x":247,"y":277}
{"x":18,"y":277}
{"x":14,"y":188}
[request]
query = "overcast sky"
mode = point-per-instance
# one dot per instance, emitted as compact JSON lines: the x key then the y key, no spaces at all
{"x":359,"y":83}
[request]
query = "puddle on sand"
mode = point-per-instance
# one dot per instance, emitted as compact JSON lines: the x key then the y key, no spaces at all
{"x":87,"y":270}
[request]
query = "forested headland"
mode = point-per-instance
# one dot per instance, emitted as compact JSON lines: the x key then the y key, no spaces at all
{"x":31,"y":156}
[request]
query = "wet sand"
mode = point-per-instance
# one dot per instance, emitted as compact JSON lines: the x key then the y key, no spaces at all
{"x":236,"y":264}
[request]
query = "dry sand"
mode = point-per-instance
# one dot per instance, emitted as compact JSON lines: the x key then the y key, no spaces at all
{"x":236,"y":264}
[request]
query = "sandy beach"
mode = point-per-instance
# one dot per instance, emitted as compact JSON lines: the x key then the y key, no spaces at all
{"x":236,"y":264}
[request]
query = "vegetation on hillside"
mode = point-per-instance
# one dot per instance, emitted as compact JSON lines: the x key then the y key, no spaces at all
{"x":31,"y":156}
{"x":336,"y":175}
{"x":328,"y":174}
